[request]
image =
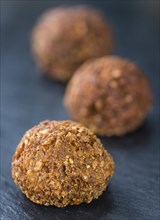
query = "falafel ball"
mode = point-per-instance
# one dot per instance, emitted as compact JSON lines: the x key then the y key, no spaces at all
{"x":61,"y":163}
{"x":65,"y":37}
{"x":109,"y":95}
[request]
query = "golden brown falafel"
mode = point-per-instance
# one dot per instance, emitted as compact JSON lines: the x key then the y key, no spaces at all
{"x":61,"y":163}
{"x":65,"y":37}
{"x":109,"y":95}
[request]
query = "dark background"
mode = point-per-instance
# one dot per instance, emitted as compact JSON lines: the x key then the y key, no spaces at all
{"x":28,"y":98}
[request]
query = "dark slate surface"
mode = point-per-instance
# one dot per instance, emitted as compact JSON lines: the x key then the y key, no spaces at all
{"x":28,"y":98}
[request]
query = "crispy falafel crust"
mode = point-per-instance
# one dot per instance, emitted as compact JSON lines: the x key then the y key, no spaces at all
{"x":109,"y":95}
{"x":65,"y":37}
{"x":61,"y":163}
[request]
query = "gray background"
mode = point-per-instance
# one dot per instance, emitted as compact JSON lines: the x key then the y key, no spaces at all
{"x":28,"y":98}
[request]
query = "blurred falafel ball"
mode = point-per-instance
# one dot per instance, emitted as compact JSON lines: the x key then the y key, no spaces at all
{"x":109,"y":95}
{"x":61,"y":163}
{"x":65,"y":37}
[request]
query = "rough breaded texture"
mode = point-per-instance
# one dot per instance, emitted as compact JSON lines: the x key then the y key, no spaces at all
{"x":61,"y":163}
{"x":65,"y":37}
{"x":109,"y":95}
